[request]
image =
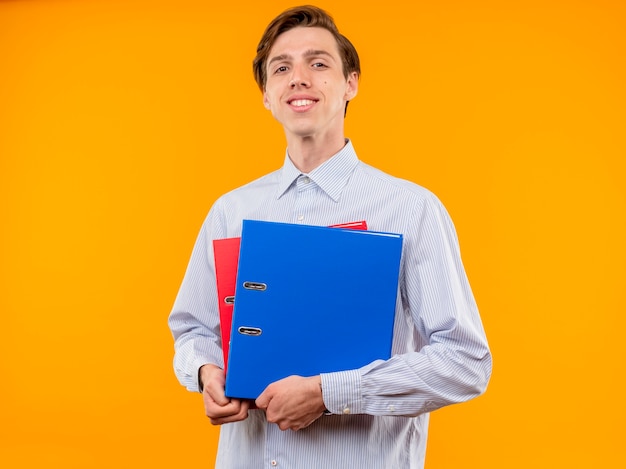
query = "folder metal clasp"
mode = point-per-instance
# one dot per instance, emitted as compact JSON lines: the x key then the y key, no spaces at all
{"x":254,"y":286}
{"x":249,"y":330}
{"x":229,"y":300}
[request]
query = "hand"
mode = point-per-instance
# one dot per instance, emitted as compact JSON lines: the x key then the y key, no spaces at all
{"x":293,"y":403}
{"x":219,"y":408}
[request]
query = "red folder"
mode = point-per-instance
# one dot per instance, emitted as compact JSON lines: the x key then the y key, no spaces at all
{"x":226,"y":253}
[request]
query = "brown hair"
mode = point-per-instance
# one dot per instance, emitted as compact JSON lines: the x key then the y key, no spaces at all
{"x":307,"y":16}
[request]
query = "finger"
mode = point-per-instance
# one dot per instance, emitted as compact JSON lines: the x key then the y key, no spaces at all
{"x":263,"y":401}
{"x":242,"y":414}
{"x":214,"y":410}
{"x":235,"y":406}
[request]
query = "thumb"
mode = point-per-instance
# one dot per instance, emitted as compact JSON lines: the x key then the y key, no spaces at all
{"x":263,"y":400}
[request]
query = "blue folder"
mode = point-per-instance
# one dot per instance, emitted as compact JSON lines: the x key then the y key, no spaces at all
{"x":309,"y":300}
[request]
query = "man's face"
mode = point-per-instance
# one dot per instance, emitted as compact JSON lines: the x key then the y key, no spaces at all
{"x":306,"y":89}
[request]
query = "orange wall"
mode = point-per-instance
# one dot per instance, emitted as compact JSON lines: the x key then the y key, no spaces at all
{"x":122,"y":121}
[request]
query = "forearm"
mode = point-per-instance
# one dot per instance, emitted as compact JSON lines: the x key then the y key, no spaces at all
{"x":409,"y":384}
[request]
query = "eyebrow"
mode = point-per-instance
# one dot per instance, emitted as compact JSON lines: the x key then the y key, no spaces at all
{"x":308,"y":53}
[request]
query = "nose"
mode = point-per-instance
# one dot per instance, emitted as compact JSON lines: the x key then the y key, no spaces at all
{"x":294,"y":83}
{"x":299,"y":77}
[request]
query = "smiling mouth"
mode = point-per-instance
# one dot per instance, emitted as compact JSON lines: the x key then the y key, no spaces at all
{"x":301,"y":102}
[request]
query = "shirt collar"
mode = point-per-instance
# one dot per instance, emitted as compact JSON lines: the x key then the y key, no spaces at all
{"x":331,"y":176}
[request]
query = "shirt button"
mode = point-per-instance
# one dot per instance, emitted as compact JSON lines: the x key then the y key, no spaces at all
{"x":273,"y":462}
{"x":392,"y":408}
{"x":306,"y":179}
{"x":300,"y":217}
{"x":346,"y":410}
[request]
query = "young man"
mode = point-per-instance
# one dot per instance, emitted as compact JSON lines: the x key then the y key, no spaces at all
{"x":375,"y":416}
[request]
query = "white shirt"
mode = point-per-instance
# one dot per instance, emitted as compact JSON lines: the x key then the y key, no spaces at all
{"x":379,"y":412}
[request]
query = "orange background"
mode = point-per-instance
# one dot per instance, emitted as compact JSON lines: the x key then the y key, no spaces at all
{"x":122,"y":121}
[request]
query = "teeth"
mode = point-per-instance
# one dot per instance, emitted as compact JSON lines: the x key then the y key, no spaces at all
{"x":301,"y":102}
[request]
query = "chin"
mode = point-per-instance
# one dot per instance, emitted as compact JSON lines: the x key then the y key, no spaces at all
{"x":302,"y":131}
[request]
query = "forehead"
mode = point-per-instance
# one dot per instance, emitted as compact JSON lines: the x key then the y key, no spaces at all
{"x":300,"y":39}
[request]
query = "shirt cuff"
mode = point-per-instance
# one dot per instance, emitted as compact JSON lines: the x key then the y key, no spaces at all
{"x":341,"y":392}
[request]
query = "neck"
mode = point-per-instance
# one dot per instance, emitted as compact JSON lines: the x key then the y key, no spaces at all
{"x":307,"y":153}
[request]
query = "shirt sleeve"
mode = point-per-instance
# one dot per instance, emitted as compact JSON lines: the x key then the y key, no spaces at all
{"x":194,"y":319}
{"x":445,"y":357}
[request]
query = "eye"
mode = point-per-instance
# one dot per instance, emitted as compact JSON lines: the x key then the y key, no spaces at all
{"x":319,"y":65}
{"x":281,"y":69}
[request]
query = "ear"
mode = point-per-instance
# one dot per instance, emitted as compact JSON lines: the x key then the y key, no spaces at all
{"x":352,"y":86}
{"x":266,"y":101}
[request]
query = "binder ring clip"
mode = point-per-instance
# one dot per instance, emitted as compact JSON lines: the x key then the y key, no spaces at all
{"x":254,"y":286}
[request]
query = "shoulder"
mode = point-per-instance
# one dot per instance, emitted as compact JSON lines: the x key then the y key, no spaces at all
{"x":249,"y":194}
{"x":408,"y":190}
{"x":259,"y":185}
{"x":400,"y":205}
